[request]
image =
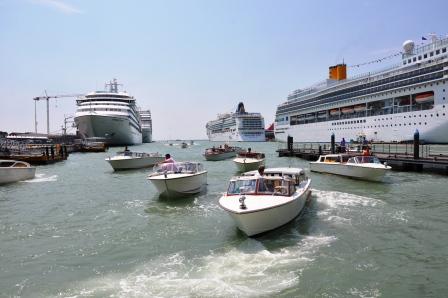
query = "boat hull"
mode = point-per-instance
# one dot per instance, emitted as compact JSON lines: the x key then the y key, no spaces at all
{"x":353,"y":171}
{"x":248,"y":164}
{"x":115,"y":129}
{"x":10,"y":175}
{"x":134,"y":163}
{"x":261,"y":221}
{"x":175,"y":185}
{"x":220,"y":156}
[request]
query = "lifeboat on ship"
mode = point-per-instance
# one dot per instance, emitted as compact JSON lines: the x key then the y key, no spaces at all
{"x":424,"y":97}
{"x":322,"y":114}
{"x":335,"y":112}
{"x":309,"y":116}
{"x":348,"y":110}
{"x":360,"y":108}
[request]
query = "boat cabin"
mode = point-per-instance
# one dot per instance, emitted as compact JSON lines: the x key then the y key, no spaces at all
{"x":334,"y":158}
{"x":363,"y":159}
{"x":266,"y":185}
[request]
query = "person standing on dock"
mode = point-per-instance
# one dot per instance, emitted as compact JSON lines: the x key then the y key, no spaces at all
{"x":343,"y":145}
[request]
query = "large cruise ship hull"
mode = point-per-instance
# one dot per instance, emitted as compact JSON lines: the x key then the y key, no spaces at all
{"x":147,"y":135}
{"x":236,"y":137}
{"x":432,"y":126}
{"x":117,"y":130}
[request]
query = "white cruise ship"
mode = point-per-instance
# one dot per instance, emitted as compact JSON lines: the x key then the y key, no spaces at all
{"x":238,"y":127}
{"x":145,"y":117}
{"x":110,"y":114}
{"x":389,"y":105}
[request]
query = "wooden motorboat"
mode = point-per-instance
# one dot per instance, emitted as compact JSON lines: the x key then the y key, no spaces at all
{"x":179,"y":179}
{"x":262,"y":203}
{"x":359,"y":167}
{"x":14,"y":170}
{"x":248,"y":161}
{"x":126,"y":160}
{"x":220,"y":153}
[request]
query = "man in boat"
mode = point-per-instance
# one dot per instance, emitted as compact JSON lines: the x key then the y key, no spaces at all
{"x":366,"y":151}
{"x":260,"y":171}
{"x":168,"y":159}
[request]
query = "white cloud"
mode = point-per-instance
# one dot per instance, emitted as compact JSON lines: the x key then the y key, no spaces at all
{"x":60,"y":6}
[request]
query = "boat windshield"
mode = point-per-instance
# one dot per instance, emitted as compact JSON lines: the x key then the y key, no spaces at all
{"x":262,"y":185}
{"x":281,"y":187}
{"x":179,"y":167}
{"x":364,"y":159}
{"x":242,"y":186}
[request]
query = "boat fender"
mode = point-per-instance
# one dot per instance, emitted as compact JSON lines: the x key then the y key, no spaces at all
{"x":242,"y":204}
{"x":165,"y":174}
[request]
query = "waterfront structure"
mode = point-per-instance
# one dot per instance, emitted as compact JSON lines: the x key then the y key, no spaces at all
{"x":240,"y":126}
{"x":109,"y":114}
{"x":389,"y":105}
{"x":146,"y":120}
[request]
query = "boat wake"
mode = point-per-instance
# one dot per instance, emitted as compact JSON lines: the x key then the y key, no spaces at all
{"x":42,"y":178}
{"x":246,"y":271}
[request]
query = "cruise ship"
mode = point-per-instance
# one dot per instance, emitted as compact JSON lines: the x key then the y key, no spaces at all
{"x":388,"y":105}
{"x":110,"y":114}
{"x":240,"y":126}
{"x":146,"y":120}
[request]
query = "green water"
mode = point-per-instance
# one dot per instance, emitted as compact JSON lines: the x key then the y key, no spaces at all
{"x":81,"y":230}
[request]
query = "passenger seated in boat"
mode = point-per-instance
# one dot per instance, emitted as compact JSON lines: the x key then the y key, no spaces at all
{"x":168,"y":159}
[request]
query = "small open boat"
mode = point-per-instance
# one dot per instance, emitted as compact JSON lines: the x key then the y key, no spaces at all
{"x":248,"y":161}
{"x":262,"y":203}
{"x":221,"y":152}
{"x":359,"y":167}
{"x":179,"y":179}
{"x":14,"y":170}
{"x":127,"y":160}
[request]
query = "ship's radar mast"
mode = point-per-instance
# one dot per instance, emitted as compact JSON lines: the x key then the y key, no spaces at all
{"x":113,"y":86}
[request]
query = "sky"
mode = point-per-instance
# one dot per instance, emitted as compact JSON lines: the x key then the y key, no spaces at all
{"x":188,"y":60}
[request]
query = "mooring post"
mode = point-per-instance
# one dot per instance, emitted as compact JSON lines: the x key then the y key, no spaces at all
{"x":332,"y":143}
{"x":290,"y":142}
{"x":416,"y":144}
{"x":320,"y":149}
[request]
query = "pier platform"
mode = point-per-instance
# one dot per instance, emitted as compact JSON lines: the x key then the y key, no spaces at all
{"x":403,"y":157}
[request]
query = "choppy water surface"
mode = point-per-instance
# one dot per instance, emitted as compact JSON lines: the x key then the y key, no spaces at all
{"x":81,"y":230}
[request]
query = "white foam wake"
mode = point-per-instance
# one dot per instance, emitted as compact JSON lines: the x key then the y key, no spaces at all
{"x":246,"y":271}
{"x":41,"y":178}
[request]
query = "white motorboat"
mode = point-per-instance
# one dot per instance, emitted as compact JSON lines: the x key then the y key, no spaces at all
{"x":180,"y":178}
{"x":14,"y":170}
{"x":359,"y":167}
{"x":249,"y":161}
{"x":221,"y":152}
{"x":262,"y":203}
{"x":134,"y":160}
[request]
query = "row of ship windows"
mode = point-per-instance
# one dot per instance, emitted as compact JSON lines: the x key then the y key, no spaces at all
{"x":412,"y":77}
{"x":437,"y":52}
{"x":103,"y":110}
{"x":382,"y":125}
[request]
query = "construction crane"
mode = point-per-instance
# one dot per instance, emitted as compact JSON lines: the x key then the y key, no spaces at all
{"x":47,"y":98}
